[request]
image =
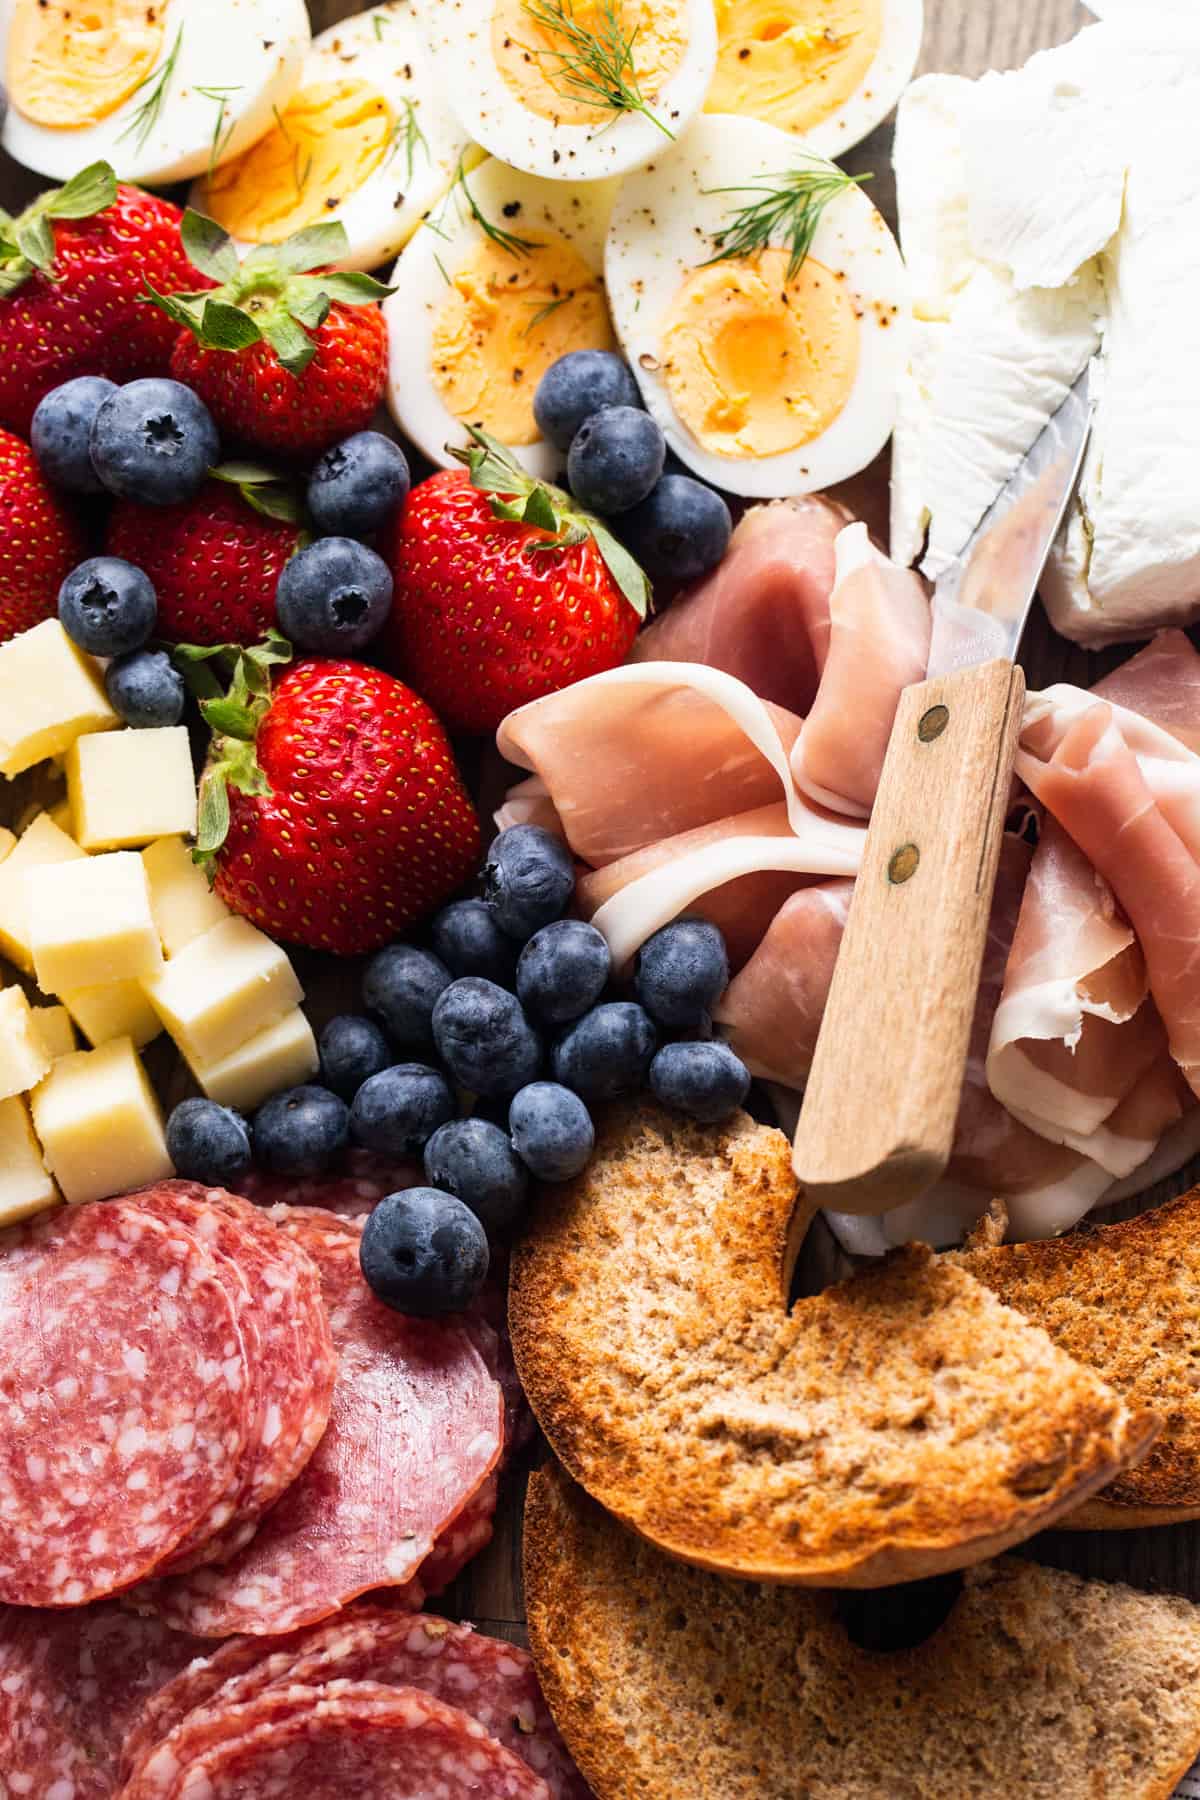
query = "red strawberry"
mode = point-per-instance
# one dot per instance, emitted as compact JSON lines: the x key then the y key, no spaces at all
{"x":215,"y":561}
{"x":284,"y":359}
{"x":502,"y":600}
{"x":40,"y":540}
{"x":73,"y":270}
{"x":334,"y":809}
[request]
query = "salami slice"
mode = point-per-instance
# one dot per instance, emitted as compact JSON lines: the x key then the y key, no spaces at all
{"x":123,"y":1400}
{"x":71,"y":1683}
{"x":364,"y":1181}
{"x":416,"y":1428}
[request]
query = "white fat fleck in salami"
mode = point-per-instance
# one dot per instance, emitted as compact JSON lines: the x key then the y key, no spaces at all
{"x":120,"y":1427}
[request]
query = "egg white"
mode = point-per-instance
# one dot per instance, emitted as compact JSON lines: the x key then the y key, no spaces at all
{"x":890,"y":72}
{"x":253,"y":48}
{"x":579,"y":214}
{"x":460,"y":32}
{"x":664,"y":224}
{"x":385,"y":47}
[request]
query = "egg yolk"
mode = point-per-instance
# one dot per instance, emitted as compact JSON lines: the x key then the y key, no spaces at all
{"x":756,"y":364}
{"x":792,"y":63}
{"x":536,"y":58}
{"x":505,"y":320}
{"x":72,"y":62}
{"x":322,"y":147}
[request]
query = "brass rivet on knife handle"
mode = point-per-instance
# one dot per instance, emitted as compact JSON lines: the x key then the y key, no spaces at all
{"x":877,"y":1123}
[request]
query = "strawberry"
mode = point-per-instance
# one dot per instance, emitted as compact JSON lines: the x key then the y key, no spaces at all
{"x":73,"y":268}
{"x":215,"y":560}
{"x":331,"y":805}
{"x":40,"y":540}
{"x":284,"y":359}
{"x":505,"y":590}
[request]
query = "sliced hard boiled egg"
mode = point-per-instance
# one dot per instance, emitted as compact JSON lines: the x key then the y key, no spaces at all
{"x":160,"y":91}
{"x":828,"y":71}
{"x":505,"y":277}
{"x":574,"y":90}
{"x":366,"y":139}
{"x":762,"y":303}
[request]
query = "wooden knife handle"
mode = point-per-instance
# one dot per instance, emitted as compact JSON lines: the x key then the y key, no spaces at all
{"x":878,"y":1118}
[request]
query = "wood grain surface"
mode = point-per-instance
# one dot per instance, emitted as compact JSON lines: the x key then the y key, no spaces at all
{"x":967,"y":37}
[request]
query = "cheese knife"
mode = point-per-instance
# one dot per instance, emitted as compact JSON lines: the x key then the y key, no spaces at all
{"x":877,"y":1123}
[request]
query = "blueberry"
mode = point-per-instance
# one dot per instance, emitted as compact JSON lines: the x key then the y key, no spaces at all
{"x":334,"y":597}
{"x":301,"y":1131}
{"x":474,"y":1160}
{"x":107,"y":606}
{"x":397,"y":1111}
{"x":615,"y":459}
{"x":357,"y":485}
{"x":607,"y":1052}
{"x":352,"y":1050}
{"x":424,"y":1252}
{"x":706,"y":1081}
{"x":680,"y":974}
{"x":552,"y":1131}
{"x":528,"y":879}
{"x":484,"y":1038}
{"x":563,"y":971}
{"x":62,"y":429}
{"x":400,"y":988}
{"x":680,"y":531}
{"x":208,"y":1143}
{"x":469,"y":942}
{"x":155,"y":441}
{"x":578,"y":385}
{"x":146,"y":689}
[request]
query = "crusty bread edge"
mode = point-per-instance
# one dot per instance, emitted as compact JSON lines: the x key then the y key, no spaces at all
{"x":1100,"y":1514}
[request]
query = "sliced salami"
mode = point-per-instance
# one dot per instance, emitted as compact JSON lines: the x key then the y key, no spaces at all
{"x":362,"y":1184}
{"x":415,"y":1430}
{"x":123,"y":1400}
{"x":460,"y":1542}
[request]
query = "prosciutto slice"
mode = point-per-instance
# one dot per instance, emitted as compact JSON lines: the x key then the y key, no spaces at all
{"x":771,"y":1011}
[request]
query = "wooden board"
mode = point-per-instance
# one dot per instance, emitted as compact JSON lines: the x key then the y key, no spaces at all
{"x":966,"y":37}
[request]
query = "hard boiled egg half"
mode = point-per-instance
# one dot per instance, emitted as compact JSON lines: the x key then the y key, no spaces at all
{"x":160,"y":89}
{"x":505,"y":277}
{"x":366,"y":139}
{"x":829,"y":71}
{"x":574,"y":90}
{"x":771,"y":373}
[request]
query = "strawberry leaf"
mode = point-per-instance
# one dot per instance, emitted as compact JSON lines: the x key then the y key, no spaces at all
{"x":310,"y":248}
{"x":539,"y":511}
{"x":351,"y":289}
{"x":307,"y":302}
{"x":294,"y":348}
{"x":35,"y":241}
{"x":230,"y":718}
{"x":234,"y":718}
{"x":212,"y":824}
{"x":511,"y":510}
{"x":225,"y":327}
{"x":625,"y":570}
{"x":89,"y":192}
{"x":209,"y":247}
{"x":263,"y":489}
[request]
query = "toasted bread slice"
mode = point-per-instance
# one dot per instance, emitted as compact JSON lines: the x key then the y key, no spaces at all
{"x":1124,"y":1299}
{"x":668,"y":1681}
{"x":900,"y":1424}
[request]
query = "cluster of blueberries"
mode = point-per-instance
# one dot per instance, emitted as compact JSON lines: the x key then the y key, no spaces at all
{"x":154,"y":441}
{"x":510,"y":991}
{"x":588,"y":405}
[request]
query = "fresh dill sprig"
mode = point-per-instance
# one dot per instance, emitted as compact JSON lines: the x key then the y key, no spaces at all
{"x":507,"y":240}
{"x":378,"y":21}
{"x":786,"y":212}
{"x":222,"y":133}
{"x":408,"y":132}
{"x":441,"y":268}
{"x":595,"y":67}
{"x":146,"y":116}
{"x":544,"y":312}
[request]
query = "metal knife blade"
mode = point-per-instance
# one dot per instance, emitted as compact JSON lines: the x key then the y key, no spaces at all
{"x":981,"y":602}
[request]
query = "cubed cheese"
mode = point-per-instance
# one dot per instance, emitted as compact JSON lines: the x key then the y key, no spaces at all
{"x":222,"y":989}
{"x":282,"y":1056}
{"x":24,"y":1058}
{"x":132,"y":787}
{"x":183,"y":904}
{"x":90,"y":922}
{"x":61,"y":814}
{"x":50,"y":692}
{"x":100,"y":1125}
{"x":8,"y":842}
{"x":25,"y":1185}
{"x":114,"y":1009}
{"x":56,"y":1030}
{"x":41,"y":845}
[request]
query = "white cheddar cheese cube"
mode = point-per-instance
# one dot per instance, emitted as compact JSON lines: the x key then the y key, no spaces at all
{"x":26,"y":1187}
{"x":50,"y":692}
{"x":222,"y":989}
{"x":183,"y":904}
{"x":24,"y":1058}
{"x":8,"y":842}
{"x":61,"y":814}
{"x":42,"y":845}
{"x":112,"y":1010}
{"x":282,"y":1056}
{"x":90,"y":922}
{"x":55,"y":1029}
{"x":100,"y":1125}
{"x":131,"y":787}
